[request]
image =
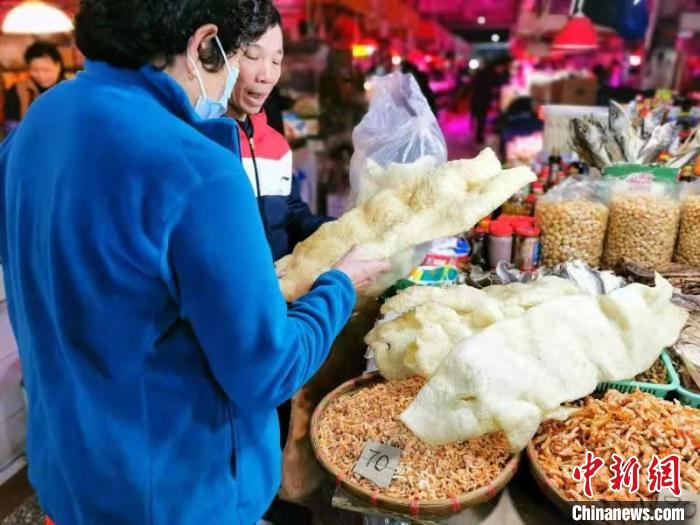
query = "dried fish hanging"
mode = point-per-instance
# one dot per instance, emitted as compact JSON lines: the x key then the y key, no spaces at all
{"x":630,"y":139}
{"x":687,"y":151}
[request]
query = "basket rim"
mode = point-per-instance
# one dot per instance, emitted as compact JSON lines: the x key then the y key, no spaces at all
{"x":479,"y":495}
{"x":666,"y":387}
{"x":555,"y":494}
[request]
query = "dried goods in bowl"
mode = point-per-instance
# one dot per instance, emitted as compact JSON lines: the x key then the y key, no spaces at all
{"x":630,"y":425}
{"x":430,"y":481}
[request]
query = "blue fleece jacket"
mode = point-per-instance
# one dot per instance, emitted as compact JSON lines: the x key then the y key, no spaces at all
{"x":154,"y":340}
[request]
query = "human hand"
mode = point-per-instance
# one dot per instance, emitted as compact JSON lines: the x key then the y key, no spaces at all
{"x":362,"y":273}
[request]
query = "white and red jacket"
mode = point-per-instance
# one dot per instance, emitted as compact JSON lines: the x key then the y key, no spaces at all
{"x":267,"y":159}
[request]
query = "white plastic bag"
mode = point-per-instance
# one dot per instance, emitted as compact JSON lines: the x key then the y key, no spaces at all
{"x":398,"y":128}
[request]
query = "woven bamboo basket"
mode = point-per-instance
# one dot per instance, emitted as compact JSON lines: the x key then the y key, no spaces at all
{"x":553,"y":493}
{"x":416,"y":508}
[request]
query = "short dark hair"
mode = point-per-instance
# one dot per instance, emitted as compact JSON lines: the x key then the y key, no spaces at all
{"x":131,"y":33}
{"x":268,"y":19}
{"x":42,"y":49}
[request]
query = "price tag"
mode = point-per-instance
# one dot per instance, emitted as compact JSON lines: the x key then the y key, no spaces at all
{"x":378,"y":463}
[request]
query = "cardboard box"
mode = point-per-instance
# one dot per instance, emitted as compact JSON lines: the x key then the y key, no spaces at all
{"x":575,"y":91}
{"x":541,"y":93}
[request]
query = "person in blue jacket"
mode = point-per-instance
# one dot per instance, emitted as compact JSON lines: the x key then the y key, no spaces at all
{"x":154,"y":339}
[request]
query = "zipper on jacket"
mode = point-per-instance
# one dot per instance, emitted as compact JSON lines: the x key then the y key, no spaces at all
{"x":251,"y":143}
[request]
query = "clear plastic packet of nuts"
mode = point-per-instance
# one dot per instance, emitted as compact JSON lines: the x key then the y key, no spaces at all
{"x":643,"y":223}
{"x":573,"y":219}
{"x":688,"y":248}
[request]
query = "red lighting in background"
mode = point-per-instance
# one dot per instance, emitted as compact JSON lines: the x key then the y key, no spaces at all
{"x":364,"y":49}
{"x":579,"y":34}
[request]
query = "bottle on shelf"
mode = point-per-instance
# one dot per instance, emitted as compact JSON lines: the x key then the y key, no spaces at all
{"x":555,"y":166}
{"x":500,"y":243}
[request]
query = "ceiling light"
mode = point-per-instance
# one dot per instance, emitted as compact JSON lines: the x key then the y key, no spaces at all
{"x":495,"y":38}
{"x":481,"y":20}
{"x":579,"y":34}
{"x":36,"y":17}
{"x":396,"y":60}
{"x":635,"y":60}
{"x":474,"y":63}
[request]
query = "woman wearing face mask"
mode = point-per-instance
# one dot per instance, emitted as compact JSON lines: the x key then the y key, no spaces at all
{"x":154,"y":339}
{"x":45,"y":71}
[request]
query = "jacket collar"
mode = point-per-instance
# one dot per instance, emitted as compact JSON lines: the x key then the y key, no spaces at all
{"x":259,"y":120}
{"x":253,"y":125}
{"x":168,"y":94}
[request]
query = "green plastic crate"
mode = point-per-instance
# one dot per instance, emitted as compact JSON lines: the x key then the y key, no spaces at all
{"x":687,"y":397}
{"x":684,"y":395}
{"x":661,"y":391}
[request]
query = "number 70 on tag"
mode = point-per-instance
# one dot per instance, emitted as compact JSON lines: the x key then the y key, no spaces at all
{"x":378,"y":463}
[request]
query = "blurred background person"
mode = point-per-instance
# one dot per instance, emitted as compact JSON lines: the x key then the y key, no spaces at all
{"x":45,"y":71}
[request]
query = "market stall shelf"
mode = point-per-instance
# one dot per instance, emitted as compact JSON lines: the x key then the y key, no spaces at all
{"x":423,"y":508}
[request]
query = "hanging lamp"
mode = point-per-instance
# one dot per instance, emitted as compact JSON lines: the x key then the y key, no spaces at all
{"x":36,"y":18}
{"x":579,"y":33}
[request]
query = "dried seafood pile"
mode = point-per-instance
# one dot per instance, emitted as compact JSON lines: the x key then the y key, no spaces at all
{"x":655,"y":375}
{"x":684,"y":278}
{"x":630,"y":139}
{"x":631,"y":425}
{"x":425,"y":472}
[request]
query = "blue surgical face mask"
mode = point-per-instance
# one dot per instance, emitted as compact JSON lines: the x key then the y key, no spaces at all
{"x":206,"y":107}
